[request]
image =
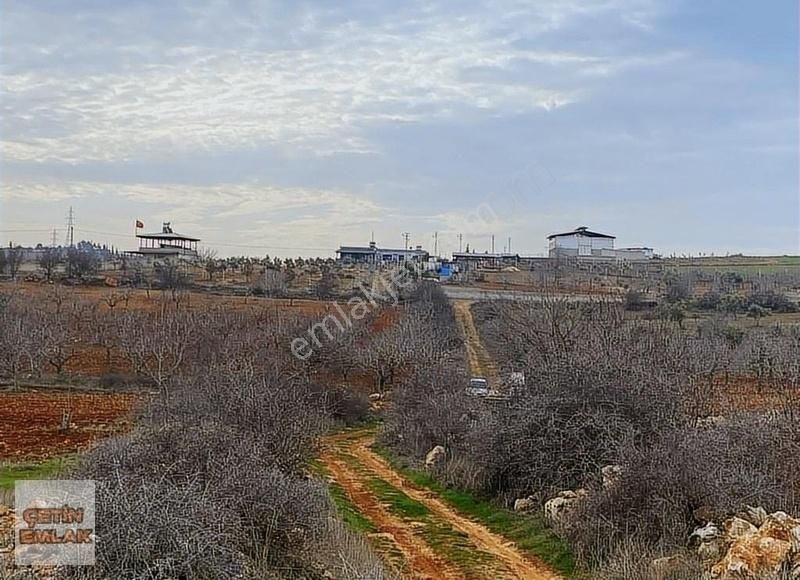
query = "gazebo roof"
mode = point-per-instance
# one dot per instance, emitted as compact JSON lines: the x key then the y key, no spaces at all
{"x":166,"y":233}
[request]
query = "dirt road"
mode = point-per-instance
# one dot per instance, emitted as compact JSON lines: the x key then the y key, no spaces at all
{"x":480,"y":363}
{"x":420,"y":534}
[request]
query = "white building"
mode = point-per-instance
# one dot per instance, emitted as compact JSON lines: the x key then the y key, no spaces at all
{"x":581,"y":242}
{"x":372,"y":254}
{"x":634,"y":254}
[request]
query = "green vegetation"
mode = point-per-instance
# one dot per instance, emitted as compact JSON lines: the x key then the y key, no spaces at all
{"x":344,"y":507}
{"x":397,"y":501}
{"x":455,"y":545}
{"x":349,"y":512}
{"x":739,"y":264}
{"x":11,"y":472}
{"x":529,"y":532}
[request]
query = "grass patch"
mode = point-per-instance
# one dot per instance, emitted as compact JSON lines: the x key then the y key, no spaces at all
{"x":528,"y":531}
{"x":346,"y":509}
{"x":454,"y":545}
{"x":349,"y":512}
{"x":11,"y":472}
{"x":351,"y":461}
{"x":389,"y":551}
{"x":398,"y":502}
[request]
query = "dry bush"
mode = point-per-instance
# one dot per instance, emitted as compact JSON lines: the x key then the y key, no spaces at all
{"x":429,"y":409}
{"x":632,"y":560}
{"x":342,"y":405}
{"x":429,"y":405}
{"x":721,"y":469}
{"x":212,"y":482}
{"x":606,"y":389}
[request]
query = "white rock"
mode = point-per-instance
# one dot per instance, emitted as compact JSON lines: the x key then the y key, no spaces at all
{"x":435,"y":456}
{"x":754,"y":515}
{"x":611,"y":475}
{"x":556,"y":509}
{"x":524,"y":504}
{"x":705,"y":533}
{"x":711,"y":422}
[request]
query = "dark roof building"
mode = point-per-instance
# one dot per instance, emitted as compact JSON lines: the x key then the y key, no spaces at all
{"x":372,"y":254}
{"x":582,"y":231}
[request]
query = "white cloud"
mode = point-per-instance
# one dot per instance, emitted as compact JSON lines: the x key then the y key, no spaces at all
{"x":231,"y":217}
{"x":318,"y":94}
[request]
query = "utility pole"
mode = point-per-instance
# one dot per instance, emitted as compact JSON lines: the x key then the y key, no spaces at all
{"x":509,"y":244}
{"x":53,"y":238}
{"x":406,"y":235}
{"x":436,"y":244}
{"x":492,"y":243}
{"x":71,"y":228}
{"x":460,"y":237}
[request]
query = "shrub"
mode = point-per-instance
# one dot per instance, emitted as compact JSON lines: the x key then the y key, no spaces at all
{"x":342,"y":404}
{"x":708,"y":301}
{"x":722,"y":469}
{"x":775,"y":301}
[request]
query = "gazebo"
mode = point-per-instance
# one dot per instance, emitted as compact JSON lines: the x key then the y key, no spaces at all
{"x":166,"y":243}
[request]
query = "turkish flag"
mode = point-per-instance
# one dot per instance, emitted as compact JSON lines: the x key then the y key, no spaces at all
{"x":139,"y":224}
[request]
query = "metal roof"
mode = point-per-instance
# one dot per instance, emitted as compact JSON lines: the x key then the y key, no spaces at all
{"x":166,"y":233}
{"x":169,"y":236}
{"x":583,"y":231}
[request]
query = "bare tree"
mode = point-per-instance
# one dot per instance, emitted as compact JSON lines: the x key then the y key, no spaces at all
{"x":14,"y":258}
{"x":209,"y":262}
{"x":49,"y":260}
{"x":273,"y":283}
{"x":82,"y":261}
{"x":59,"y":343}
{"x":156,"y":350}
{"x":326,"y":285}
{"x":20,"y":343}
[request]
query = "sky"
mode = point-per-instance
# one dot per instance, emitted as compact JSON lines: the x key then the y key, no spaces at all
{"x":290,"y":128}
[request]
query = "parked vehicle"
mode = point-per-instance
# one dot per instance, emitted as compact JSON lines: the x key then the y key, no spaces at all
{"x":478,"y":387}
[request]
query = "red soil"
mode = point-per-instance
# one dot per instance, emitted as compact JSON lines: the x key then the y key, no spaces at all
{"x":30,"y":421}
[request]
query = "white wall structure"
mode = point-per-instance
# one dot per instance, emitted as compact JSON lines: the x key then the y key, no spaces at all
{"x":580,"y":242}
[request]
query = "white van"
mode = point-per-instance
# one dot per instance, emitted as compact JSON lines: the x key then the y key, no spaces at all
{"x":478,"y":387}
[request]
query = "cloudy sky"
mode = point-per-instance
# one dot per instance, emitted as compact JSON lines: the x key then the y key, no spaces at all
{"x":291,"y":127}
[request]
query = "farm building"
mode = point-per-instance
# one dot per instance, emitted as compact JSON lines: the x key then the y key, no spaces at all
{"x":584,"y":244}
{"x":166,"y":244}
{"x":580,"y":242}
{"x":372,"y":254}
{"x":636,"y":253}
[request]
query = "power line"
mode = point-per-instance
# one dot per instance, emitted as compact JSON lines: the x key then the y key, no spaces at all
{"x":70,"y":229}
